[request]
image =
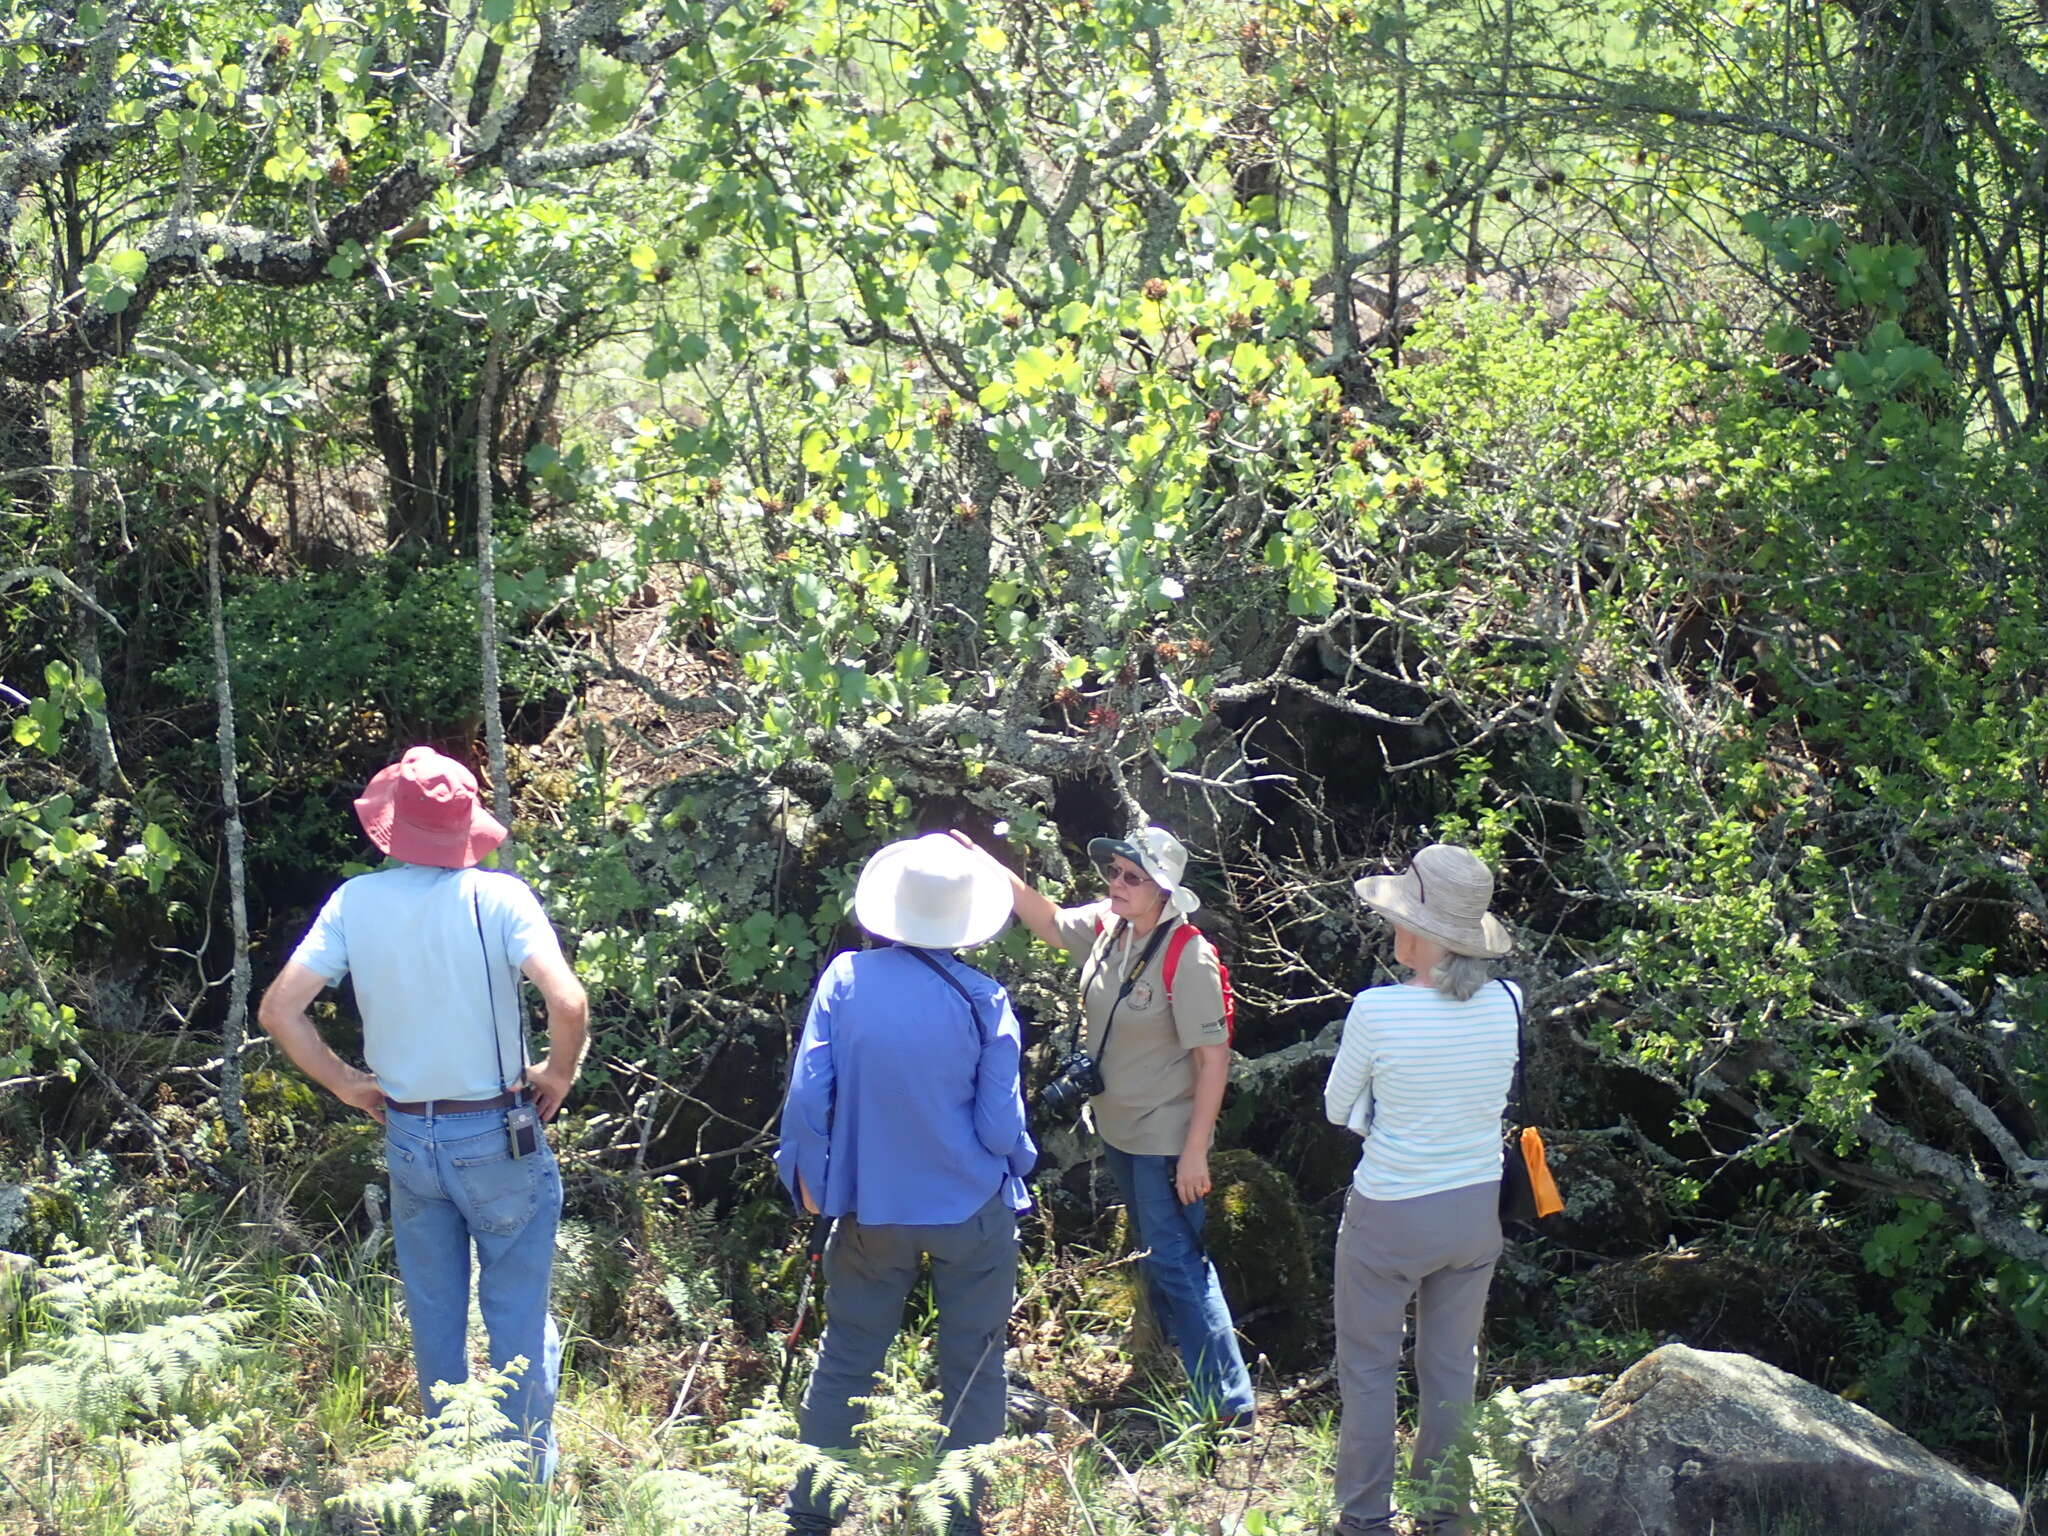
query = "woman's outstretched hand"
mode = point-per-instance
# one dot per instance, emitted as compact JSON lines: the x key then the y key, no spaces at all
{"x":1032,"y":906}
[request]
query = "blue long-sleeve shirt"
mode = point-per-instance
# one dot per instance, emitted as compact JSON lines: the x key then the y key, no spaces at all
{"x":902,"y":1109}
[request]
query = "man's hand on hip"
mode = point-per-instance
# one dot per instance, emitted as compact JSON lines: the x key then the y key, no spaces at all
{"x":550,"y":1083}
{"x":362,"y":1090}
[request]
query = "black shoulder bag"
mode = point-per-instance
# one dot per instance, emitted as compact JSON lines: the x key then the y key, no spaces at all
{"x":1527,"y":1191}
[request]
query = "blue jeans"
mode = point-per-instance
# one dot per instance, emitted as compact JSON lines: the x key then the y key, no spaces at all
{"x":1187,"y":1297}
{"x":454,"y":1182}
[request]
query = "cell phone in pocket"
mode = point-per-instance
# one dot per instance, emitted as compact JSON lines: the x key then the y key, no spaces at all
{"x":522,"y":1130}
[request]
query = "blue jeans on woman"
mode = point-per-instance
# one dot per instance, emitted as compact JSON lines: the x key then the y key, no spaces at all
{"x":1187,"y":1296}
{"x":454,"y":1182}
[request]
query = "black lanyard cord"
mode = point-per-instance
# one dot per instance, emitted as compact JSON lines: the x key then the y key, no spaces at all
{"x":1518,"y":1088}
{"x":952,"y":981}
{"x":491,"y":992}
{"x":1130,"y":981}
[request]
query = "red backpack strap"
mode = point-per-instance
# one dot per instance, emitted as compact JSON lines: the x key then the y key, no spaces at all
{"x":1185,"y":933}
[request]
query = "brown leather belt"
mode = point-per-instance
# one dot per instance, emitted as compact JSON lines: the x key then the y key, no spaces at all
{"x":454,"y":1106}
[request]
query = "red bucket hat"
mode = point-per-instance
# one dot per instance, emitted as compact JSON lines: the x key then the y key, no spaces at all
{"x":424,"y":809}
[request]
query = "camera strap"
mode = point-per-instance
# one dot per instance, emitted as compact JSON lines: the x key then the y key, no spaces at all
{"x":476,"y":911}
{"x":939,"y":970}
{"x":1151,"y":948}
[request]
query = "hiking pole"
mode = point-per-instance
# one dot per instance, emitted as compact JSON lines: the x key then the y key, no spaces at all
{"x":814,"y":1260}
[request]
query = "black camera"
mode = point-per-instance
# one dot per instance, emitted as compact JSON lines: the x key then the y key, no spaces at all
{"x":1077,"y":1081}
{"x":522,"y":1130}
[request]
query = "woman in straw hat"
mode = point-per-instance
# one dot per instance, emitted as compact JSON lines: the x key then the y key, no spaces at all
{"x":905,"y":1122}
{"x":1422,"y":1075}
{"x":1159,"y":1040}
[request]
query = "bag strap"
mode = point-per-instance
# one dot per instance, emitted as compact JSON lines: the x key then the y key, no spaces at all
{"x":1518,"y":1089}
{"x":940,"y":971}
{"x":1130,"y":981}
{"x":1184,"y":933}
{"x":476,"y":911}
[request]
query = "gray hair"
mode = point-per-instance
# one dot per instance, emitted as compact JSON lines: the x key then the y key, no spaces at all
{"x":1460,"y":977}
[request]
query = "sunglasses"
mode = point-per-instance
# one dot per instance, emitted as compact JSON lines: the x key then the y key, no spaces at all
{"x":1117,"y":876}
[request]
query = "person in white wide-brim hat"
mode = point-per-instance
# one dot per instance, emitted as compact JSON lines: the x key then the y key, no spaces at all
{"x":905,"y":1122}
{"x":1155,"y":1003}
{"x":1422,"y":1075}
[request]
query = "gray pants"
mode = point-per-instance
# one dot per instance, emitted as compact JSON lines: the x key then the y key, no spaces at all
{"x":1439,"y":1249}
{"x":868,"y":1275}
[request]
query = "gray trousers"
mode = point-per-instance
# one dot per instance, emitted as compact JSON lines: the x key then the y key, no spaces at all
{"x":1440,"y":1250}
{"x":869,"y":1271}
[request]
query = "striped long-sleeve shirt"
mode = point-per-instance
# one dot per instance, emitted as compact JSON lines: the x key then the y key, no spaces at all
{"x":1424,"y":1080}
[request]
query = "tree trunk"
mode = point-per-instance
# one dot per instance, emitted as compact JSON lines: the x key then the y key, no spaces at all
{"x":84,"y":568}
{"x":961,"y":551}
{"x":1911,"y":98}
{"x":487,"y":595}
{"x":236,"y":1028}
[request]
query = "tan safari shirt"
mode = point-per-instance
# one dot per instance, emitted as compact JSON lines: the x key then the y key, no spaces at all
{"x":1147,"y":1073}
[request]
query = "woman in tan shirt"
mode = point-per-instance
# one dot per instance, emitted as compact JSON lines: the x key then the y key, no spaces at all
{"x":1164,"y":1056}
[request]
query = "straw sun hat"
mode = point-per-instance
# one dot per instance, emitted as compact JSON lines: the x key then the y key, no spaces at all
{"x":1443,"y":895}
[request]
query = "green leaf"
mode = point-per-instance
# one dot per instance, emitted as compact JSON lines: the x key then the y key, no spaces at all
{"x":48,"y":716}
{"x":357,"y":126}
{"x":1787,"y":339}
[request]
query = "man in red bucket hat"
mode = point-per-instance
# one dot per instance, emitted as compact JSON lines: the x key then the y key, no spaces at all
{"x":436,"y":947}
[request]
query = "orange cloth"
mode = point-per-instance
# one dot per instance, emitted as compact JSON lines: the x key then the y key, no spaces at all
{"x":1548,"y":1201}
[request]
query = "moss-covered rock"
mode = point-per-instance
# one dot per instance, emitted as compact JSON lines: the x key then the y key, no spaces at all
{"x":328,"y":1183}
{"x":1258,"y":1236}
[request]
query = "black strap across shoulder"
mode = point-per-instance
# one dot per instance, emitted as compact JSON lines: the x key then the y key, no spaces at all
{"x":476,"y":912}
{"x":1151,"y":948}
{"x":939,"y":970}
{"x":1517,"y":1091}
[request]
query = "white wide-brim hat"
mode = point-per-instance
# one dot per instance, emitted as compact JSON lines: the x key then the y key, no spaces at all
{"x":1443,"y":896}
{"x":1160,"y":854}
{"x":932,"y":892}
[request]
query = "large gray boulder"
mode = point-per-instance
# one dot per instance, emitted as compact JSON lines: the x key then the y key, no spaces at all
{"x":1689,"y":1442}
{"x":1529,"y":1428}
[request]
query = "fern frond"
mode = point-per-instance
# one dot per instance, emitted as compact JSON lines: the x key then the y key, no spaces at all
{"x":759,"y":1448}
{"x":397,"y":1504}
{"x":251,"y":1517}
{"x":165,"y":1478}
{"x":98,"y":1379}
{"x":678,"y":1503}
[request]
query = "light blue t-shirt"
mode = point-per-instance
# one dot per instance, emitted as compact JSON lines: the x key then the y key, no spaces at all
{"x":421,"y":943}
